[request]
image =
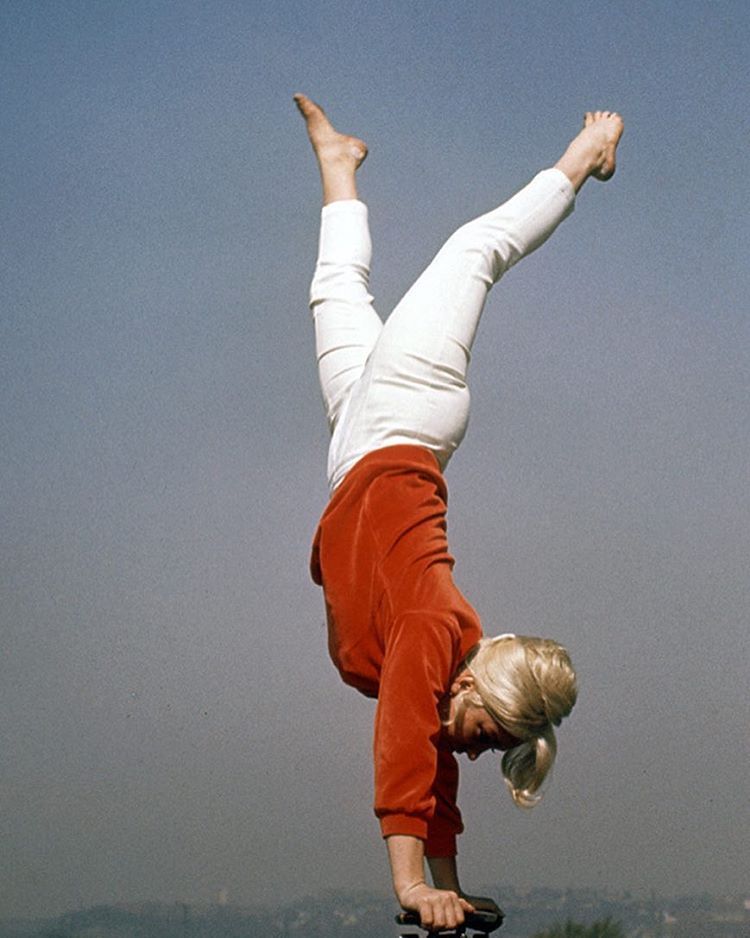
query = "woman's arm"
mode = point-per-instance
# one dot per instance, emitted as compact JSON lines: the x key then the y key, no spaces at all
{"x":438,"y":907}
{"x":444,"y":871}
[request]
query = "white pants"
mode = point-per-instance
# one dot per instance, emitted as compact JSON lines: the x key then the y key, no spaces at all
{"x":405,"y":381}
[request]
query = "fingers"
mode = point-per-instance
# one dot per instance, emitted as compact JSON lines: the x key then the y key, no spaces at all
{"x":442,"y":910}
{"x":437,"y":908}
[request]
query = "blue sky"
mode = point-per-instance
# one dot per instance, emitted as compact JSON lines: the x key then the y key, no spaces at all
{"x":169,"y":720}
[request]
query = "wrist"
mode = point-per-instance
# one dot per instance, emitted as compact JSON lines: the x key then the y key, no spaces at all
{"x":409,"y":893}
{"x":406,"y":855}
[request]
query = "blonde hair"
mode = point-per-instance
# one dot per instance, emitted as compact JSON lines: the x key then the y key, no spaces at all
{"x":527,"y":685}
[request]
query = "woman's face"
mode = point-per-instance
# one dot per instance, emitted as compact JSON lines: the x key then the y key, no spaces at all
{"x":472,"y":730}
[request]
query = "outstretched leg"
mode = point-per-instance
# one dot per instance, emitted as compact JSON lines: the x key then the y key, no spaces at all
{"x":346,"y":324}
{"x":413,"y":389}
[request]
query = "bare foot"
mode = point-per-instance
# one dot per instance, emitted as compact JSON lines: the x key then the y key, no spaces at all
{"x":339,"y":155}
{"x":605,"y":129}
{"x":592,"y":151}
{"x":327,"y":142}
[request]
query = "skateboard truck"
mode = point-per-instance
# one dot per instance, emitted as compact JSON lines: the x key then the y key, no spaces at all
{"x":480,"y":922}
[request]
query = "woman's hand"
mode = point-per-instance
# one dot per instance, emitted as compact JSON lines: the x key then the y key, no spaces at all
{"x":440,"y":907}
{"x":437,"y":908}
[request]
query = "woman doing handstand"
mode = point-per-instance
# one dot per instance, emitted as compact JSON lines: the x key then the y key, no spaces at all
{"x":397,"y":405}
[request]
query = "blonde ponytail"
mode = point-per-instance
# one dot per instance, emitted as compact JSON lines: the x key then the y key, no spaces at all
{"x":528,"y":686}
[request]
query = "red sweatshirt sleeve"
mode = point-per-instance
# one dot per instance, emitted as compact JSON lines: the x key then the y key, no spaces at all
{"x":446,"y":823}
{"x":415,"y":783}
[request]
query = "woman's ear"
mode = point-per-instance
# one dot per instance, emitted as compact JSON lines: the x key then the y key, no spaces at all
{"x":463,"y":681}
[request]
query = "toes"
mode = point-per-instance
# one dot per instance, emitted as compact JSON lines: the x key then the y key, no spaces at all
{"x":591,"y":117}
{"x":308,"y":108}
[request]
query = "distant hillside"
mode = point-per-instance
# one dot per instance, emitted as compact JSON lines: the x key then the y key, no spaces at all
{"x":367,"y":915}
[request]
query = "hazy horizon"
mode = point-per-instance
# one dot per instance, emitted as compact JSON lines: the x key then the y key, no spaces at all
{"x":170,"y":723}
{"x":508,"y":896}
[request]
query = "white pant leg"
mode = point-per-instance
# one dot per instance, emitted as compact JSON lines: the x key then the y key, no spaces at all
{"x":413,"y":388}
{"x":346,"y":324}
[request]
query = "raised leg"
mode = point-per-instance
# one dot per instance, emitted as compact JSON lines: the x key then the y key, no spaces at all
{"x":346,"y":323}
{"x":413,"y":389}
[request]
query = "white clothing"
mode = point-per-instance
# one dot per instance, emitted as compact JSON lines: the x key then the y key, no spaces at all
{"x":404,"y":382}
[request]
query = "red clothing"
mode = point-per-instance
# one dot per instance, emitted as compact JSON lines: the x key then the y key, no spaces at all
{"x":398,"y":628}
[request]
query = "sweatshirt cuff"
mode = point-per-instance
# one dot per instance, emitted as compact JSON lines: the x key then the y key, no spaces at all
{"x":437,"y":843}
{"x":403,"y":824}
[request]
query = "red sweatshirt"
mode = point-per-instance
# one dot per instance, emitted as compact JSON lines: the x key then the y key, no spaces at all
{"x":398,"y":628}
